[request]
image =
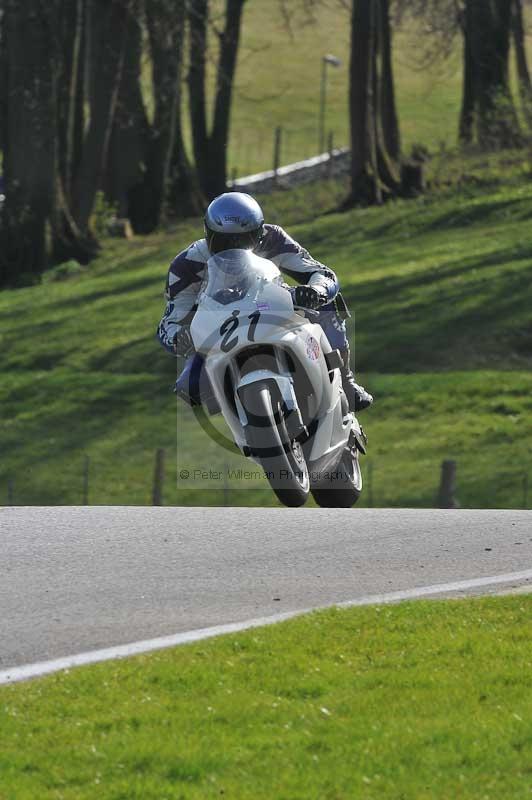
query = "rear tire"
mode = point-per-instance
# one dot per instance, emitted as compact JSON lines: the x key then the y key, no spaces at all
{"x":281,"y":459}
{"x":344,"y":490}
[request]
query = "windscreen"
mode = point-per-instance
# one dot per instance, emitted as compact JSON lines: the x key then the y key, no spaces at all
{"x":233,"y":274}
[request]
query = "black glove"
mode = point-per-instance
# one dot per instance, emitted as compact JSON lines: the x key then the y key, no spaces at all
{"x":183,"y":344}
{"x":310,"y":297}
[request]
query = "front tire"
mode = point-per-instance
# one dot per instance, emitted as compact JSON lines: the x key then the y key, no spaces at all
{"x":281,"y":458}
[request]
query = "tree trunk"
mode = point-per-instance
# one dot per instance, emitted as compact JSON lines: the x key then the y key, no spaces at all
{"x":130,"y":133}
{"x":217,"y":175}
{"x":198,"y":11}
{"x":388,"y":108}
{"x":487,"y":34}
{"x":108,"y":31}
{"x":525,"y":85}
{"x":387,"y":168}
{"x":3,"y":80}
{"x":210,"y":149}
{"x":147,"y":166}
{"x":70,"y":100}
{"x":501,"y":113}
{"x":359,"y":102}
{"x":166,"y":22}
{"x":185,"y":196}
{"x":467,"y":113}
{"x":373,"y":102}
{"x":29,"y":130}
{"x":375,"y":139}
{"x":34,"y":197}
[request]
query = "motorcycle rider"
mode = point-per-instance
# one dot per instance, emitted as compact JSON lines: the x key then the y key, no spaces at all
{"x":234,"y":220}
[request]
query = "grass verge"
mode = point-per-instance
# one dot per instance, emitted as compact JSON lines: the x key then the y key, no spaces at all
{"x":419,"y":700}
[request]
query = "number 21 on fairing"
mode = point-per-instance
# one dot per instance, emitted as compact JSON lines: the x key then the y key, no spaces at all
{"x":229,"y":327}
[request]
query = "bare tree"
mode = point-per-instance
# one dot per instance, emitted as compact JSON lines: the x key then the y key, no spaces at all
{"x":375,"y":140}
{"x":28,"y":140}
{"x":35,"y":199}
{"x":523,"y":74}
{"x":147,"y":169}
{"x":388,"y":107}
{"x":71,"y":42}
{"x":107,"y":29}
{"x":124,"y":168}
{"x":488,"y":114}
{"x":210,"y":146}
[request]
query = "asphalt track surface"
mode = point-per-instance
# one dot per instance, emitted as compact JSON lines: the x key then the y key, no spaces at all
{"x":76,"y":580}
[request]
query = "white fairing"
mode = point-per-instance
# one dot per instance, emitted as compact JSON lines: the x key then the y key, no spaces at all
{"x":245,"y":304}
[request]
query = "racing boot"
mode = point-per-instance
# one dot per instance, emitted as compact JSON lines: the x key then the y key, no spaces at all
{"x":356,"y":395}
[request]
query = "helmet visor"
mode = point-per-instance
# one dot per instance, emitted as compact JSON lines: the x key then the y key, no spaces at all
{"x":219,"y":242}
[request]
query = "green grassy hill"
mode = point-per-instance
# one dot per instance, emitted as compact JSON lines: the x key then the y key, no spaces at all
{"x":441,"y":289}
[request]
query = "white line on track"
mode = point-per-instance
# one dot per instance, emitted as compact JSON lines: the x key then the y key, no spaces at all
{"x":27,"y":671}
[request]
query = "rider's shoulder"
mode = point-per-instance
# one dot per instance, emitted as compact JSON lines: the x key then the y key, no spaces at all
{"x":276,"y":242}
{"x":273,"y":237}
{"x":197,"y":253}
{"x":273,"y":230}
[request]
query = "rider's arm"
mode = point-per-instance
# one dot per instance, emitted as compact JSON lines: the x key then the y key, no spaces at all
{"x":295,"y":261}
{"x":182,"y":287}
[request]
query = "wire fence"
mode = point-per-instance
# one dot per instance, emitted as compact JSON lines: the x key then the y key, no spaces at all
{"x":447,"y":486}
{"x":258,"y":150}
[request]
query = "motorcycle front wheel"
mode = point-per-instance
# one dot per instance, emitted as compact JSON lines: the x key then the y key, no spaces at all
{"x":281,"y":459}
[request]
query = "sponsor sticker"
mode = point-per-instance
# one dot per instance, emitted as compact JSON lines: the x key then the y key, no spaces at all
{"x":263,"y":306}
{"x":313,"y":348}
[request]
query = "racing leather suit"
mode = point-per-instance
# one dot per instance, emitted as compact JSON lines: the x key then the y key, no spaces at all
{"x":187,"y":271}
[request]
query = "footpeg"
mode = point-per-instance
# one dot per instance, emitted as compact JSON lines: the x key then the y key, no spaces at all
{"x":359,"y":439}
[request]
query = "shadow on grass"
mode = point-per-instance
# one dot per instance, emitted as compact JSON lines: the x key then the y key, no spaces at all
{"x":431,"y":214}
{"x":459,"y":216}
{"x":450,"y":316}
{"x":144,"y":355}
{"x":126,"y":288}
{"x":65,"y":415}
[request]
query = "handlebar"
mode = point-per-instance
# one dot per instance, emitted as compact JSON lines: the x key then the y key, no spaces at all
{"x":309,"y":312}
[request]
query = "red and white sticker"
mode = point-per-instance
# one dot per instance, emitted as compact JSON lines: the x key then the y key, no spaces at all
{"x":313,"y":348}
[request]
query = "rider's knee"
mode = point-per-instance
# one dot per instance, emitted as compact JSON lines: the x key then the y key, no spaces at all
{"x":193,"y":385}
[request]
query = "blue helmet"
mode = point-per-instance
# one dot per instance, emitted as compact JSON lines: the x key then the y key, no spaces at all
{"x":233,"y":221}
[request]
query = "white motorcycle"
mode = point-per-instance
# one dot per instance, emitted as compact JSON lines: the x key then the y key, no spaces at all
{"x":277,"y":382}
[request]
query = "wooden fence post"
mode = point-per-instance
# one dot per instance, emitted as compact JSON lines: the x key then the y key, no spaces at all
{"x":446,"y":498}
{"x":158,"y":478}
{"x":86,"y":468}
{"x":277,"y":150}
{"x":330,"y":149}
{"x":226,"y":485}
{"x":370,"y":484}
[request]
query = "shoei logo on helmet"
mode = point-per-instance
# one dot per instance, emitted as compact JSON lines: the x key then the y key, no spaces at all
{"x":229,"y":218}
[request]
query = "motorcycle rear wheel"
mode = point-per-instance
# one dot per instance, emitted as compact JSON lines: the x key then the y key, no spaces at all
{"x":281,"y":459}
{"x":344,"y":490}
